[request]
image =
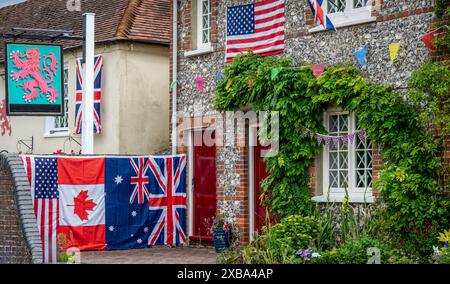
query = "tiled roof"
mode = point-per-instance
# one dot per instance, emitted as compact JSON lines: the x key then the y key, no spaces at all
{"x":135,"y":20}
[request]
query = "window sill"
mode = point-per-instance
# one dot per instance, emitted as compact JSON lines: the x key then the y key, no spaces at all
{"x":345,"y":24}
{"x":340,"y":199}
{"x":200,"y":51}
{"x":62,"y":134}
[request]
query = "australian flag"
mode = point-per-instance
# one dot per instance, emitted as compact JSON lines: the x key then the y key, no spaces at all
{"x":98,"y":67}
{"x":145,"y":201}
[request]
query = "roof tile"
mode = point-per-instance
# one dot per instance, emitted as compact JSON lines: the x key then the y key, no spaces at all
{"x":136,"y":20}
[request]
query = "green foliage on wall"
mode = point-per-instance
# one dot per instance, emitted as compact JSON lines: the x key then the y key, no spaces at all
{"x":409,"y":182}
{"x":442,"y":11}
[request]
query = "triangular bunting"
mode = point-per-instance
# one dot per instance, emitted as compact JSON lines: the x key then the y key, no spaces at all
{"x":360,"y":55}
{"x":393,"y":51}
{"x":317,"y":69}
{"x":200,"y":82}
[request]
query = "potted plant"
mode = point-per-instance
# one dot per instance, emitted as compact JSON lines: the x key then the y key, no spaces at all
{"x":221,"y":231}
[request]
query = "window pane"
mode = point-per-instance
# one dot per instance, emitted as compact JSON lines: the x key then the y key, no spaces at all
{"x":63,"y":121}
{"x":338,"y":154}
{"x":360,"y":3}
{"x":363,"y":162}
{"x":334,"y":160}
{"x":369,"y":159}
{"x":360,"y":144}
{"x":336,"y":6}
{"x":360,"y":160}
{"x":206,"y":36}
{"x":343,"y":160}
{"x":361,"y":178}
{"x":334,"y":124}
{"x":205,"y":22}
{"x":334,"y":179}
{"x":343,"y":123}
{"x":369,"y":179}
{"x":205,"y":7}
{"x":343,"y":179}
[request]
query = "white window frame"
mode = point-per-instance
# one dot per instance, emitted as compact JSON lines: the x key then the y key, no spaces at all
{"x":201,"y":47}
{"x":350,"y":16}
{"x":50,"y":130}
{"x":356,"y":195}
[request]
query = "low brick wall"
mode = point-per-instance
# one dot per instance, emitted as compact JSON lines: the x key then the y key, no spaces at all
{"x":19,"y":235}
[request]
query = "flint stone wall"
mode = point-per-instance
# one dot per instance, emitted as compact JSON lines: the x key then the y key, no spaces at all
{"x":397,"y":21}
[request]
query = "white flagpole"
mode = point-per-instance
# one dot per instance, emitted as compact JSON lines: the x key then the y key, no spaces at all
{"x":87,"y":135}
{"x":174,"y":76}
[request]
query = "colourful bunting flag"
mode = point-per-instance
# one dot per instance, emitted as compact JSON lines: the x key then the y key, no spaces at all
{"x":319,"y":139}
{"x":219,"y":76}
{"x":200,"y":82}
{"x":428,"y":39}
{"x":274,"y":73}
{"x":317,"y":69}
{"x":360,"y":55}
{"x":393,"y":50}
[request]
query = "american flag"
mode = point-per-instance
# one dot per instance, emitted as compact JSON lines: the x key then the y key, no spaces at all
{"x":169,"y":200}
{"x":98,"y":67}
{"x":42,"y":173}
{"x":258,"y":27}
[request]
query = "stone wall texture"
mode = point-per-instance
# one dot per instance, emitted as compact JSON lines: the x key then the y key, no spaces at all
{"x":20,"y":242}
{"x":393,"y":21}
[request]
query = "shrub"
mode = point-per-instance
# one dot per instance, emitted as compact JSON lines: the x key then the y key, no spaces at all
{"x":354,"y":252}
{"x":280,"y":242}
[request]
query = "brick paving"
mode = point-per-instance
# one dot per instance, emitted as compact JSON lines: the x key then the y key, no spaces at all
{"x":155,"y":255}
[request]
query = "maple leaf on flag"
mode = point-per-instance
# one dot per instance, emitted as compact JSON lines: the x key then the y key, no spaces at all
{"x":82,"y":205}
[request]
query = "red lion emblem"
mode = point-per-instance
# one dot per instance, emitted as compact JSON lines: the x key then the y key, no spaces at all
{"x":4,"y":121}
{"x":31,"y":68}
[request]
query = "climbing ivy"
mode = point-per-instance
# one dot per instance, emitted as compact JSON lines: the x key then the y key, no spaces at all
{"x":409,"y":181}
{"x":442,"y":12}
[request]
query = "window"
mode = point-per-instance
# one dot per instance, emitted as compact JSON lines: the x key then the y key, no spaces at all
{"x":204,"y":22}
{"x":347,"y":12}
{"x":59,"y":126}
{"x":346,"y":165}
{"x":201,"y":27}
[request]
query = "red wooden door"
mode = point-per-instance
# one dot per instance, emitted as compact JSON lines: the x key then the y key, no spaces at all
{"x":204,"y":191}
{"x":260,"y":174}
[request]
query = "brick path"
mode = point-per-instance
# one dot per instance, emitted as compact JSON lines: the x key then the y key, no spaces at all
{"x":156,"y":255}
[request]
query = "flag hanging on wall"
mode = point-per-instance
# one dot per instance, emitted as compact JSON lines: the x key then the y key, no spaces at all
{"x":98,"y":68}
{"x":258,"y":27}
{"x":82,"y":202}
{"x":319,"y":14}
{"x":108,"y":202}
{"x":42,"y":175}
{"x":145,"y":201}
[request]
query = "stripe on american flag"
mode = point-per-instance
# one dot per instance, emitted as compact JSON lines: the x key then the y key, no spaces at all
{"x":268,"y":34}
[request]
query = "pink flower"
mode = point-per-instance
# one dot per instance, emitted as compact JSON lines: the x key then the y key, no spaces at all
{"x":226,"y":227}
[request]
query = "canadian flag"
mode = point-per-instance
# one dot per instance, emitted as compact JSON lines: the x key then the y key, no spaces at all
{"x":81,"y":185}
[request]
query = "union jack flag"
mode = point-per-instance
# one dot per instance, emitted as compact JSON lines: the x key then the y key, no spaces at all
{"x":98,"y":67}
{"x":140,"y":181}
{"x":168,"y":200}
{"x":319,"y":14}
